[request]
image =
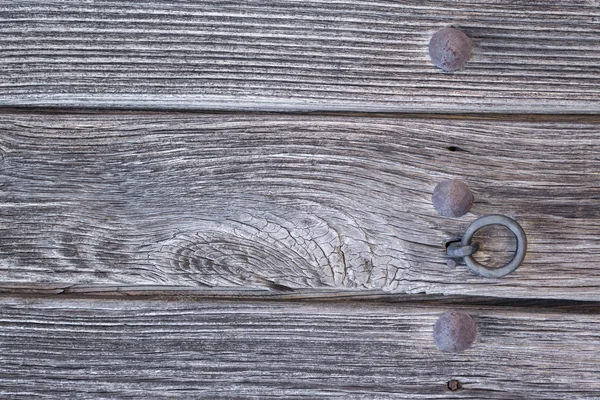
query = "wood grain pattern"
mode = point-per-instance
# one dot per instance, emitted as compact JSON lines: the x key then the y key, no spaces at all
{"x":530,"y":56}
{"x":104,"y":349}
{"x":291,"y":202}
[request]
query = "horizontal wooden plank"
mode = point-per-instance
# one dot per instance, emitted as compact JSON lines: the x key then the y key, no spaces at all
{"x":292,"y":202}
{"x":154,"y":349}
{"x":530,"y":56}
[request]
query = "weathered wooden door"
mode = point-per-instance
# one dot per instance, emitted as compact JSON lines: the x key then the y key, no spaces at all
{"x":232,"y":199}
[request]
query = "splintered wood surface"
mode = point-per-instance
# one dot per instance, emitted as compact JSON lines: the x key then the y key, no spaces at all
{"x":105,"y":349}
{"x":530,"y":56}
{"x":288,"y":202}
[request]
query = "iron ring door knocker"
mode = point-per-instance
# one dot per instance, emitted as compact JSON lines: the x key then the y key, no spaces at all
{"x":465,"y":249}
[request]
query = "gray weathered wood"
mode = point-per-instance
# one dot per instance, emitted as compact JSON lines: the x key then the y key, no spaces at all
{"x":530,"y":56}
{"x":105,"y":349}
{"x":291,"y":202}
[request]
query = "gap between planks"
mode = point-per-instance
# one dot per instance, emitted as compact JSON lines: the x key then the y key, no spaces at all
{"x":184,"y":293}
{"x":483,"y":116}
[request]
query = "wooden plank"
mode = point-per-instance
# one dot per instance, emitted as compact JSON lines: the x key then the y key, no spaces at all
{"x":287,"y":202}
{"x":530,"y":56}
{"x":155,"y":349}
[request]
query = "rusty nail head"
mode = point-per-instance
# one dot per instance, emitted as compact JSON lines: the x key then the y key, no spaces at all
{"x":454,"y":331}
{"x":454,"y":385}
{"x":450,"y":49}
{"x":452,"y":198}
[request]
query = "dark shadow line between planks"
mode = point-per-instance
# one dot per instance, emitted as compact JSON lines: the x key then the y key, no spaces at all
{"x":179,"y":293}
{"x":520,"y":117}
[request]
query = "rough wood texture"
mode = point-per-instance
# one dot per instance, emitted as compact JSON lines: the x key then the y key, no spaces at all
{"x":219,"y":350}
{"x":291,"y":202}
{"x":530,"y":56}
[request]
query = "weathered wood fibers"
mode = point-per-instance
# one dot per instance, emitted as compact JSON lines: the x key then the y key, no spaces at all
{"x":530,"y":56}
{"x":292,"y":202}
{"x":62,"y":348}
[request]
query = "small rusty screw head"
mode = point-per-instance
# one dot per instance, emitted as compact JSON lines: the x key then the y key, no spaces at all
{"x":450,"y":49}
{"x":454,"y":331}
{"x":452,"y":198}
{"x":454,"y":385}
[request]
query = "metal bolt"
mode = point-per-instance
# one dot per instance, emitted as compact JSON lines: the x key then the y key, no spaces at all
{"x":452,"y":198}
{"x":451,"y":263}
{"x":454,"y":331}
{"x":450,"y":49}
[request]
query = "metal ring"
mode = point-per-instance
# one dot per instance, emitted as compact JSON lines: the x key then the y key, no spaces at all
{"x":514,"y":227}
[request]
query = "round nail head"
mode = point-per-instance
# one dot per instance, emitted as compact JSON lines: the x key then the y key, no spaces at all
{"x":450,"y":49}
{"x":454,"y":331}
{"x":452,"y":198}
